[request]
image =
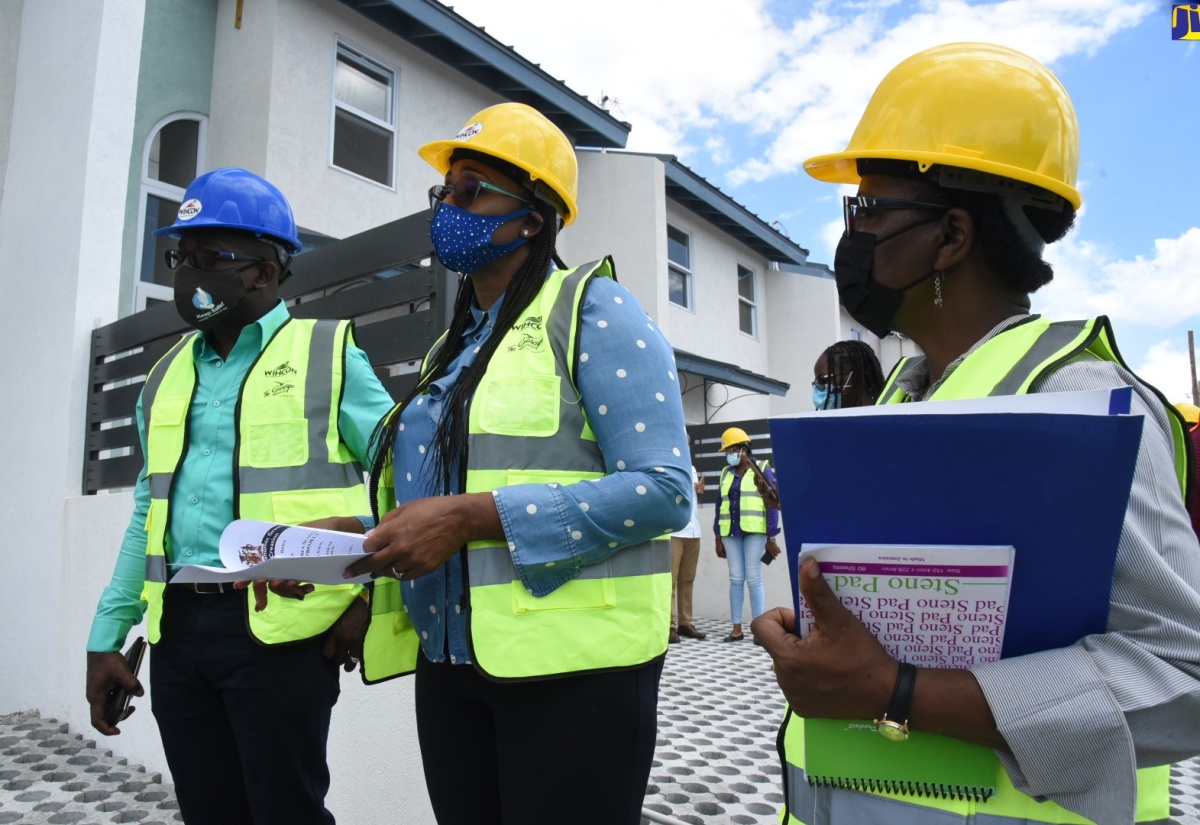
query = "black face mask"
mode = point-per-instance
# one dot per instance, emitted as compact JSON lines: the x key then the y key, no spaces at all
{"x":205,"y":298}
{"x":869,"y":302}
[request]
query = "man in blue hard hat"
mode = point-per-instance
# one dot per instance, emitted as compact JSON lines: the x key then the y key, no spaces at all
{"x":256,"y":415}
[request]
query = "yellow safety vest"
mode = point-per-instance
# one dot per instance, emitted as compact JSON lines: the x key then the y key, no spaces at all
{"x":526,"y":426}
{"x":1010,"y":363}
{"x":290,"y":463}
{"x":752,"y":511}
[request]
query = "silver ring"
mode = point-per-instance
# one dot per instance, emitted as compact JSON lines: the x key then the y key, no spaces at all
{"x":394,"y":573}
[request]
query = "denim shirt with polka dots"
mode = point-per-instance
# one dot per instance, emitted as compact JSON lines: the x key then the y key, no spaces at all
{"x":630,"y":391}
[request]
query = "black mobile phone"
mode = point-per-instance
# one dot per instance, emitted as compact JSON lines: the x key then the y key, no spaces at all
{"x":117,"y":708}
{"x":767,"y":558}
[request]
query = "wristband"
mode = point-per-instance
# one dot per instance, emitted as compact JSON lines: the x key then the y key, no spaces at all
{"x":894,"y":724}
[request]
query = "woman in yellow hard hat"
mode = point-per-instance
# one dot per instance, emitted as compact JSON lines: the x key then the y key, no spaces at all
{"x":965,"y":161}
{"x":744,"y":526}
{"x":528,"y":484}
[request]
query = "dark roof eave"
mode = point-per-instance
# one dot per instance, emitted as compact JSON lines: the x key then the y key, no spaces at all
{"x":451,"y":38}
{"x":730,"y":374}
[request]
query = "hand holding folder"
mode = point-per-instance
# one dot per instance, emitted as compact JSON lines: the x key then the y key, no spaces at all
{"x":1052,"y":485}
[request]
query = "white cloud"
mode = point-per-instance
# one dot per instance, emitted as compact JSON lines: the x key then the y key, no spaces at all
{"x":1166,"y":365}
{"x":1158,"y":291}
{"x":796,"y":88}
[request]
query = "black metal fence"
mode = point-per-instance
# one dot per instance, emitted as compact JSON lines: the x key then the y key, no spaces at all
{"x":385,"y":279}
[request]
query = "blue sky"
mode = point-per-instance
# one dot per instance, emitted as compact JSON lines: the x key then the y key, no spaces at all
{"x":744,"y":90}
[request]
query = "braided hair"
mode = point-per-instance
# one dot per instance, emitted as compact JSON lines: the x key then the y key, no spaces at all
{"x":450,"y":437}
{"x":846,"y":357}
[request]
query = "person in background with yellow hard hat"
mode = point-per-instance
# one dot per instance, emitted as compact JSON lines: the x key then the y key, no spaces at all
{"x":744,"y":526}
{"x":527,"y":486}
{"x":965,"y":161}
{"x":1191,"y":414}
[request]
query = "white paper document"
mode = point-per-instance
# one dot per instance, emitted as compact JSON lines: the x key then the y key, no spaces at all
{"x":261,"y":550}
{"x":930,"y":605}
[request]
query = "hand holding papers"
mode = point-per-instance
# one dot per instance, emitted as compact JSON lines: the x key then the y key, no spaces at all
{"x":253,"y":550}
{"x":933,"y":606}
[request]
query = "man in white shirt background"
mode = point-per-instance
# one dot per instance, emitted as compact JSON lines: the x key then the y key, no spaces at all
{"x":685,"y":552}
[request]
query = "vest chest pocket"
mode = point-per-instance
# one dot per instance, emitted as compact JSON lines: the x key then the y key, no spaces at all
{"x":164,"y":439}
{"x":299,"y":506}
{"x":275,"y":443}
{"x":526,"y":406}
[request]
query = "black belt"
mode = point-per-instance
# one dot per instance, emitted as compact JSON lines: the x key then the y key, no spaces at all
{"x":207,"y":588}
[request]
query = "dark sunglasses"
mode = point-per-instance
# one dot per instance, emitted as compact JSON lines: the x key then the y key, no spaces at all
{"x":465,"y":190}
{"x":852,"y":205}
{"x":208,"y":259}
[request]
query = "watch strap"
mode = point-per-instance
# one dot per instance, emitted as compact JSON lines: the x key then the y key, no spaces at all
{"x":894,"y":724}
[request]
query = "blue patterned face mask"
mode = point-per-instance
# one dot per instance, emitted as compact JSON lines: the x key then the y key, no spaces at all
{"x":462,"y":240}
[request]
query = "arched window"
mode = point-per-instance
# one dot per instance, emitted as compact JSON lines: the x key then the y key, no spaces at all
{"x":173,"y":156}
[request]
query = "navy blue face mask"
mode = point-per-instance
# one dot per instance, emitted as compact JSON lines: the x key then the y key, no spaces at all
{"x":462,"y":240}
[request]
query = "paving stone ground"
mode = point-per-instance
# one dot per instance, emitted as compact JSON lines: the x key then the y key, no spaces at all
{"x":715,"y":763}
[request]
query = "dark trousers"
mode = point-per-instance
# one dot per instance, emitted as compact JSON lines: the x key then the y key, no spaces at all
{"x":575,"y":749}
{"x":243,"y":726}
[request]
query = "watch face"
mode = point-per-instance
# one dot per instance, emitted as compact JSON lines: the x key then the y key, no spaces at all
{"x":892,"y":730}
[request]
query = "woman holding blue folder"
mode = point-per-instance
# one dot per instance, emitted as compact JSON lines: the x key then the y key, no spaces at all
{"x":966,"y":161}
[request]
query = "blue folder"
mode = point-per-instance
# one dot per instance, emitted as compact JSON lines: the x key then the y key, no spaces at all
{"x":1054,"y":486}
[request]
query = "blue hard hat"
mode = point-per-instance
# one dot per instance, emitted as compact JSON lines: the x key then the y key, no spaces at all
{"x":232,"y":198}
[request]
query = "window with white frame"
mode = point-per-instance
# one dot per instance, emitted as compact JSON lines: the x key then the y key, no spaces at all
{"x":364,"y":116}
{"x":172,"y":158}
{"x":747,"y":305}
{"x":679,"y":267}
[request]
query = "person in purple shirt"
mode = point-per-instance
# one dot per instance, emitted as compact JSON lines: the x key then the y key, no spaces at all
{"x":744,"y":526}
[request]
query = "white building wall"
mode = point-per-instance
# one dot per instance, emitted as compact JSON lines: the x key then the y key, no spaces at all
{"x":622,"y":212}
{"x":10,"y":43}
{"x":61,"y":224}
{"x":281,"y":64}
{"x":710,"y":327}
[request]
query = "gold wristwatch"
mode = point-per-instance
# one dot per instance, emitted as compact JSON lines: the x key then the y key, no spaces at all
{"x":894,"y":724}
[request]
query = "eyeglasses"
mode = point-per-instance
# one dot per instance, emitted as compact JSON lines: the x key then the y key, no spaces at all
{"x":203,"y":259}
{"x":465,"y":190}
{"x":854,"y":206}
{"x":834,"y":381}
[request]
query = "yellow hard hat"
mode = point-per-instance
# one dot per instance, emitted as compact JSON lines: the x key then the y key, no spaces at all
{"x":1190,"y":412}
{"x":974,"y":106}
{"x":734,"y":435}
{"x":522,"y":136}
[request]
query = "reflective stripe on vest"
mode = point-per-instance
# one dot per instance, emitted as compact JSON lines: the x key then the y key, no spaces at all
{"x":291,"y":465}
{"x":1010,"y":363}
{"x":752,"y":512}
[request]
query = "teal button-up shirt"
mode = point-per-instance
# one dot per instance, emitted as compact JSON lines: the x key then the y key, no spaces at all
{"x":202,"y":496}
